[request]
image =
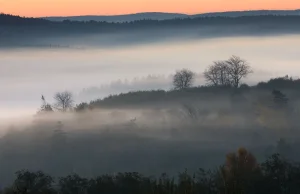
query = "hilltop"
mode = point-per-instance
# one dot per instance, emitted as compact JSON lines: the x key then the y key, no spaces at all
{"x":121,"y":18}
{"x":168,"y":16}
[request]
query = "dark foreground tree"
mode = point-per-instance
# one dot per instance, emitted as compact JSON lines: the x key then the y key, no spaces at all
{"x":183,"y":79}
{"x":73,"y":184}
{"x":32,"y":182}
{"x":240,"y":172}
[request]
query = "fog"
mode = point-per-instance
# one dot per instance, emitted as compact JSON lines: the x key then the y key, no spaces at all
{"x":195,"y":132}
{"x":146,"y":140}
{"x":27,"y":73}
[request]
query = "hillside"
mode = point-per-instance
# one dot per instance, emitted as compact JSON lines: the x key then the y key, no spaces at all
{"x":206,"y":93}
{"x":121,"y":18}
{"x":167,"y":16}
{"x":12,"y":20}
{"x":33,"y":32}
{"x":250,"y":13}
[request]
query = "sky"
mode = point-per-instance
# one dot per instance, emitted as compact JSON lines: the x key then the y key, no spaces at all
{"x":37,"y":8}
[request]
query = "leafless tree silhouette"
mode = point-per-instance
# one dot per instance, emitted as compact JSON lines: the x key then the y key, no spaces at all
{"x":237,"y":69}
{"x":227,"y":73}
{"x":183,"y":79}
{"x":217,"y":74}
{"x":64,"y":100}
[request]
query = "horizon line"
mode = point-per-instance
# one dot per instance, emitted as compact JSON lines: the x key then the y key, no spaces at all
{"x":135,"y":13}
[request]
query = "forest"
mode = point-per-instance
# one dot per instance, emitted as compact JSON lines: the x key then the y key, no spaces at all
{"x":240,"y":174}
{"x":12,"y":20}
{"x":12,"y":27}
{"x":139,"y":142}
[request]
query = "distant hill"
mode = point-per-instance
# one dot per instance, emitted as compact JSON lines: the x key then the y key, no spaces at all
{"x":121,"y":18}
{"x":250,"y":13}
{"x":7,"y":19}
{"x":167,"y":16}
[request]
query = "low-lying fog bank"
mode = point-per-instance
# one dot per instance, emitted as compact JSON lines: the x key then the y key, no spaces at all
{"x":144,"y":139}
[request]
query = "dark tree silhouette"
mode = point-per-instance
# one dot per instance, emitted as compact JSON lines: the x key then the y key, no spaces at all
{"x":73,"y":184}
{"x":237,"y":69}
{"x":45,"y":107}
{"x":244,"y":86}
{"x":33,"y":182}
{"x":239,"y":171}
{"x":81,"y":107}
{"x":240,"y":174}
{"x":280,"y":100}
{"x":227,"y":73}
{"x":277,"y":172}
{"x":217,"y":74}
{"x":64,"y":101}
{"x":183,"y":79}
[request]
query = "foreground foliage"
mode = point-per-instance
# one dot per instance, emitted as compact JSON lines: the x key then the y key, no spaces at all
{"x":240,"y":174}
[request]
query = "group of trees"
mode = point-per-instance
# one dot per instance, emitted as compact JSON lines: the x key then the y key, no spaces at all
{"x":63,"y":101}
{"x":222,"y":73}
{"x":228,"y":73}
{"x":7,"y":19}
{"x":240,"y":174}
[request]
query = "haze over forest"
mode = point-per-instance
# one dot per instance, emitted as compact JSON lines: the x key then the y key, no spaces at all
{"x":125,"y":111}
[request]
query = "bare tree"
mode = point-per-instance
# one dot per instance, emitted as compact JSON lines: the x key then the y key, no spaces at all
{"x":183,"y":79}
{"x":64,"y":100}
{"x":217,"y":74}
{"x":237,"y":69}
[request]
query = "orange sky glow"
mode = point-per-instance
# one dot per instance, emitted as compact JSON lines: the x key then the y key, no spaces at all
{"x":36,"y":8}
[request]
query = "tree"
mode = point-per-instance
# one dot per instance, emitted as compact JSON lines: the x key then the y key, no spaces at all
{"x":217,"y":74}
{"x":277,"y":172}
{"x":183,"y":79}
{"x":244,"y":86}
{"x":46,"y":107}
{"x":64,"y":100}
{"x":280,"y":100}
{"x":237,"y":69}
{"x":72,"y":184}
{"x":239,"y":172}
{"x":227,"y":73}
{"x":33,"y":182}
{"x":81,"y":107}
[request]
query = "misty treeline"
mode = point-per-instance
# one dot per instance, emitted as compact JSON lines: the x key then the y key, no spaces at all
{"x":8,"y":19}
{"x":223,"y":75}
{"x":228,"y":73}
{"x":151,"y":132}
{"x":239,"y":174}
{"x":12,"y":25}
